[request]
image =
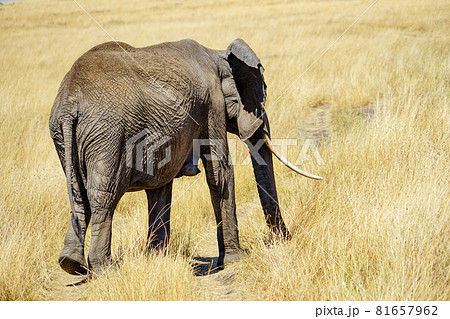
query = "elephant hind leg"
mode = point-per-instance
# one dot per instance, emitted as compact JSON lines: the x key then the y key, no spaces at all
{"x":107,"y":181}
{"x":102,"y":204}
{"x":72,"y":258}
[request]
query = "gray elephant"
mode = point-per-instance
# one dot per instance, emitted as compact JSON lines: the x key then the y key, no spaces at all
{"x":118,"y":101}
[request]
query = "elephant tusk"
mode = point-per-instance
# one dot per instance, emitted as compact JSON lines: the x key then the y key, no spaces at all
{"x":284,"y":160}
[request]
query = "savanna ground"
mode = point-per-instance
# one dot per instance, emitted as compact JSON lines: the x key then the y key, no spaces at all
{"x":377,"y":226}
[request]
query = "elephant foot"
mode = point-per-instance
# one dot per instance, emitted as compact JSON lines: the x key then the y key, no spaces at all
{"x":73,"y":263}
{"x":230,"y":257}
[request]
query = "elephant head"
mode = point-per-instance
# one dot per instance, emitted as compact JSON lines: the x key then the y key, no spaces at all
{"x":244,"y":92}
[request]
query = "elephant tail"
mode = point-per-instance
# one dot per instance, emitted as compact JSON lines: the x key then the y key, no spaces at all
{"x":69,"y":165}
{"x":63,"y":121}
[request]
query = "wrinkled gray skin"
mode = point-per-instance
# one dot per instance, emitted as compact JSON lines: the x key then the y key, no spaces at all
{"x":181,"y":90}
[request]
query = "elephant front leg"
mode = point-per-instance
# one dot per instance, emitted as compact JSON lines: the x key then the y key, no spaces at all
{"x":220,"y":179}
{"x":159,"y":202}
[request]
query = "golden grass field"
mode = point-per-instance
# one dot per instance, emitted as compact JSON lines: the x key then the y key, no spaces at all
{"x":377,"y":226}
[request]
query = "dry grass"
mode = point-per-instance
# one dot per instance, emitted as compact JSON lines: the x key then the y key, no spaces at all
{"x":381,"y":213}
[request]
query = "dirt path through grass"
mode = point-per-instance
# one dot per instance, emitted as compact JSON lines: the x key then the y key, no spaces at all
{"x":316,"y":125}
{"x":66,"y":287}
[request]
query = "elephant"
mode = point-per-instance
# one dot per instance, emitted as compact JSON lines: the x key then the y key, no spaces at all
{"x":118,"y":101}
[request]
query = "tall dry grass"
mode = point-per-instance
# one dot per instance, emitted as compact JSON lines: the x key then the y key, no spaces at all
{"x":375,"y":228}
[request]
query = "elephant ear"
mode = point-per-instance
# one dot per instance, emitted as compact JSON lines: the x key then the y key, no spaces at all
{"x":248,"y":76}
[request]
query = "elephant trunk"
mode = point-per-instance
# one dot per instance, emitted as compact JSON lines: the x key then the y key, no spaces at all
{"x":265,"y":180}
